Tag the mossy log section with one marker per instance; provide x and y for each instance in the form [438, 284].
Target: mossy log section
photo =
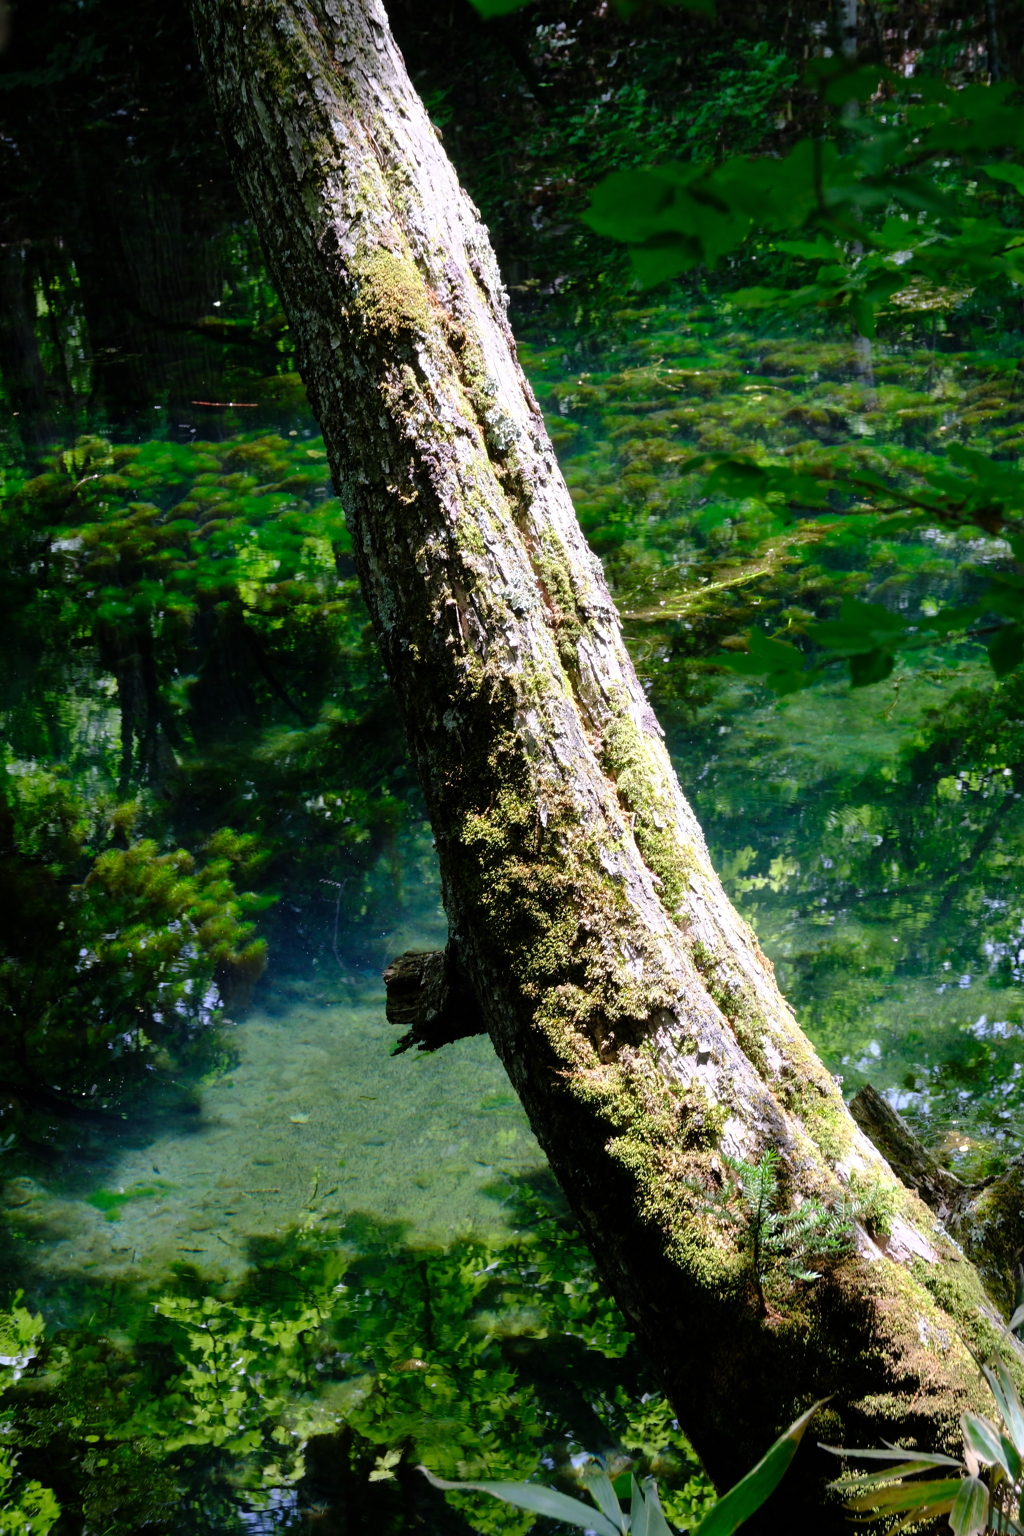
[986, 1218]
[636, 1016]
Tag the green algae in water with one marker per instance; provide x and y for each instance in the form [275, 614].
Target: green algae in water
[111, 1201]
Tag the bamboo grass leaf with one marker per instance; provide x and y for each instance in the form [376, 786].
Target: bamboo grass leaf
[877, 1479]
[916, 1516]
[894, 1453]
[637, 1509]
[1005, 1393]
[541, 1501]
[901, 1496]
[751, 1491]
[968, 1517]
[657, 1525]
[599, 1486]
[984, 1439]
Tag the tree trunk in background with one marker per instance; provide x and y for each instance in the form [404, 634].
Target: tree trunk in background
[21, 368]
[632, 1008]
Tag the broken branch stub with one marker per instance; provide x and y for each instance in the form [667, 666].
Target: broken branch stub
[430, 996]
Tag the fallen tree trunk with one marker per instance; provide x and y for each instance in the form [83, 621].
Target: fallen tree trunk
[635, 1014]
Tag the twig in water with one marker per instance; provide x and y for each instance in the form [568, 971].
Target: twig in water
[339, 887]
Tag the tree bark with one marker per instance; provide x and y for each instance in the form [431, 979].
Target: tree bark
[636, 1016]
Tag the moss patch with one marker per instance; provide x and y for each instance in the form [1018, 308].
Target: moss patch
[799, 1080]
[392, 295]
[629, 759]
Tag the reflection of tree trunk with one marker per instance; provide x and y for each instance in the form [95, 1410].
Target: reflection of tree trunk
[636, 1016]
[864, 368]
[144, 271]
[21, 367]
[221, 699]
[847, 22]
[149, 733]
[846, 25]
[992, 21]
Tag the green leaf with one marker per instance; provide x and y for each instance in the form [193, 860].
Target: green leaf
[871, 667]
[751, 1491]
[983, 1438]
[541, 1501]
[865, 1480]
[968, 1517]
[489, 8]
[782, 666]
[862, 312]
[1014, 174]
[860, 627]
[1008, 1401]
[907, 1495]
[893, 1453]
[659, 259]
[1006, 649]
[811, 250]
[657, 1525]
[948, 620]
[737, 478]
[635, 205]
[599, 1486]
[637, 1509]
[1010, 1459]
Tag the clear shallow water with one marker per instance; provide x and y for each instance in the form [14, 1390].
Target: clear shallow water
[892, 937]
[315, 1120]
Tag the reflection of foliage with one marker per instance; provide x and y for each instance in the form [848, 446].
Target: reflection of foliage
[186, 621]
[201, 577]
[110, 947]
[26, 1507]
[880, 859]
[478, 1358]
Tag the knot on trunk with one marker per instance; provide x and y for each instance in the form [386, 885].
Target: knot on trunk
[431, 997]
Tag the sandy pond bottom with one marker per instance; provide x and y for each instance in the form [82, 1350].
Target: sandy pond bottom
[316, 1121]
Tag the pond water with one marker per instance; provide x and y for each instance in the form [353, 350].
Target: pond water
[257, 1254]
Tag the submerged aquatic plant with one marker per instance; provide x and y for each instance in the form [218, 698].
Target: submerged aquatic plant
[111, 948]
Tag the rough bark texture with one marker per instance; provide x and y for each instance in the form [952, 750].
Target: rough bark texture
[632, 1008]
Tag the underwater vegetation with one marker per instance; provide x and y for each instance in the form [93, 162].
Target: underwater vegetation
[343, 1358]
